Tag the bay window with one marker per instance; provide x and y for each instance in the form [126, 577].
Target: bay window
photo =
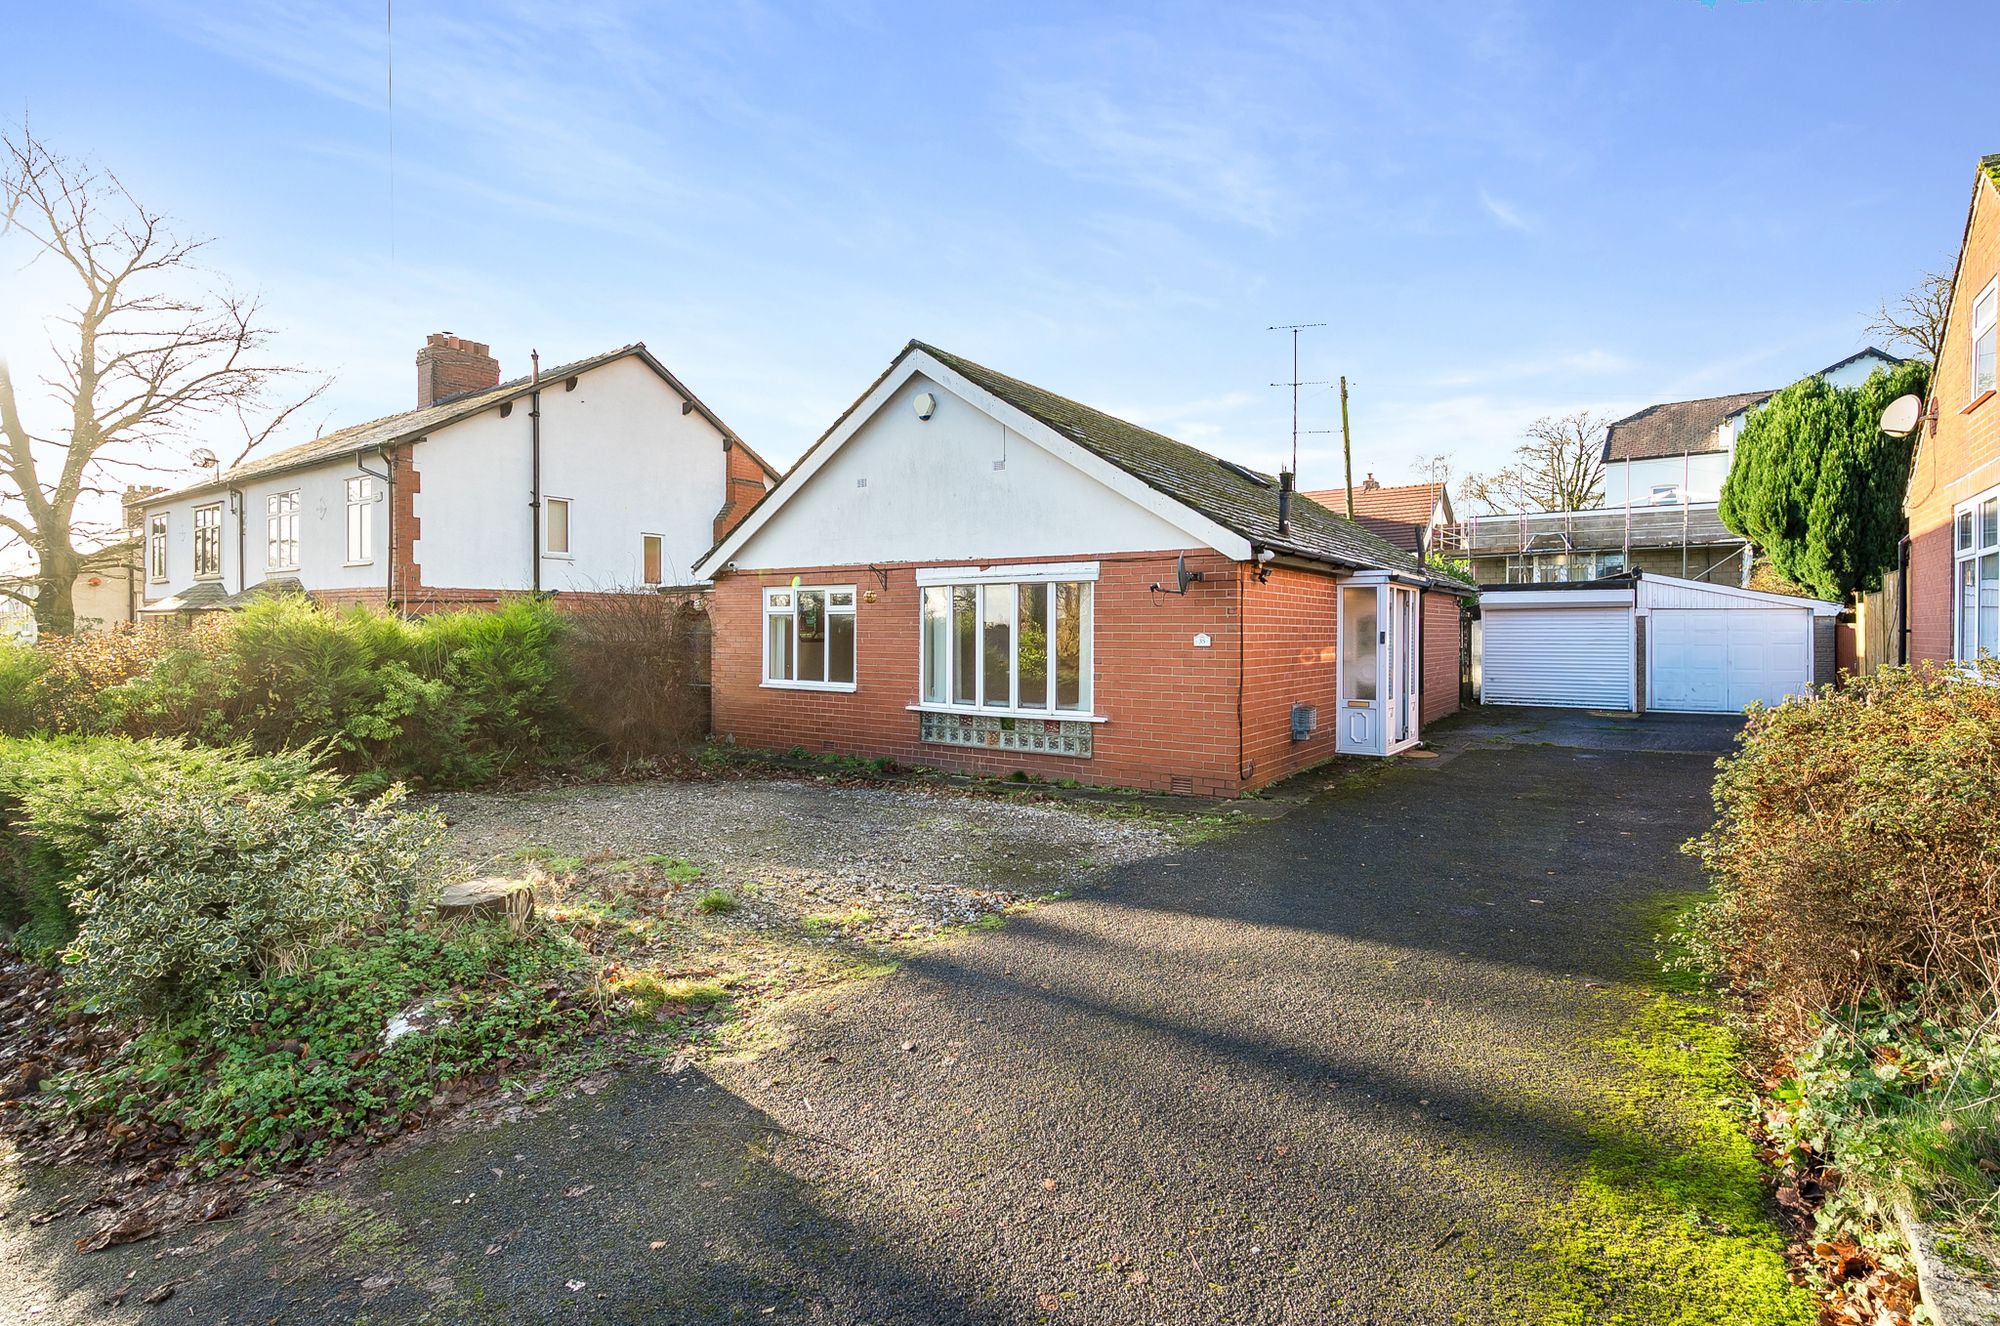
[1976, 577]
[809, 637]
[1014, 646]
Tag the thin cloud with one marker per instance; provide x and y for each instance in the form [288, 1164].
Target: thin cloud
[1509, 216]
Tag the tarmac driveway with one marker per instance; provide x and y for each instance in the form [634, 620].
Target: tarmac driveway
[1327, 1069]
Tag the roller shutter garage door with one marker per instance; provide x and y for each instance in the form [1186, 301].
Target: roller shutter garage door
[1568, 657]
[1717, 660]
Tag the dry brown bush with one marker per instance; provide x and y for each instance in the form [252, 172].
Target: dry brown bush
[638, 668]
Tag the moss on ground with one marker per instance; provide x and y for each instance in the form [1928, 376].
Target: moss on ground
[1669, 1224]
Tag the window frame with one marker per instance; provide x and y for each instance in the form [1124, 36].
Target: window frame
[361, 509]
[159, 530]
[1990, 296]
[281, 512]
[659, 541]
[213, 529]
[569, 528]
[1009, 580]
[765, 613]
[1978, 549]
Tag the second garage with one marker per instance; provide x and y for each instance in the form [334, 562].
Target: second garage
[1650, 642]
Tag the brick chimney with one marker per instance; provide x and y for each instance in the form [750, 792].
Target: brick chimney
[450, 366]
[135, 497]
[1370, 482]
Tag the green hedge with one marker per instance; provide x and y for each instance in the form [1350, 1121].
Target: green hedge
[449, 700]
[62, 797]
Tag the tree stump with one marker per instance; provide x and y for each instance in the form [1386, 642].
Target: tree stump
[492, 896]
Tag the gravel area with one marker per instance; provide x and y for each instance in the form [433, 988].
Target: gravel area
[1327, 1069]
[918, 860]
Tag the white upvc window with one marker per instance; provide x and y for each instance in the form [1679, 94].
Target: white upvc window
[652, 559]
[1018, 647]
[360, 520]
[809, 637]
[555, 526]
[1976, 577]
[281, 531]
[156, 547]
[1985, 337]
[208, 541]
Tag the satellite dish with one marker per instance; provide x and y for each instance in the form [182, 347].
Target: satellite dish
[1184, 576]
[1902, 416]
[204, 458]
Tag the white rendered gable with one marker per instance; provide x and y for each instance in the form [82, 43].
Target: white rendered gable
[963, 485]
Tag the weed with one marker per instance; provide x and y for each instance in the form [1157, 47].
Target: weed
[717, 901]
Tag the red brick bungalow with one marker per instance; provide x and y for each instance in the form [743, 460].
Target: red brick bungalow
[1953, 501]
[969, 572]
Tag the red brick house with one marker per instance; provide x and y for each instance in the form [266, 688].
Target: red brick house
[1416, 517]
[1953, 501]
[969, 572]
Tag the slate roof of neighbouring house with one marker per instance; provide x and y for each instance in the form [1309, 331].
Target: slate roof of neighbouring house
[412, 424]
[1233, 496]
[1688, 428]
[1677, 428]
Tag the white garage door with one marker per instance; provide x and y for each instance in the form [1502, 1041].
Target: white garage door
[1570, 657]
[1717, 660]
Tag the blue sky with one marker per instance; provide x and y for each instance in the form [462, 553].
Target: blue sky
[1499, 209]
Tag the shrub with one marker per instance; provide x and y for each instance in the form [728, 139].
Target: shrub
[54, 686]
[638, 669]
[190, 900]
[21, 668]
[1903, 1103]
[61, 798]
[1857, 854]
[317, 1068]
[452, 699]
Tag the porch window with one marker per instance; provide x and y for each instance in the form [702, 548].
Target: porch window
[1976, 573]
[809, 637]
[1008, 646]
[208, 541]
[1359, 635]
[156, 547]
[1984, 337]
[281, 531]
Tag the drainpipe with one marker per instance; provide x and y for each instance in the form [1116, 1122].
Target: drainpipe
[387, 475]
[535, 453]
[242, 568]
[1903, 600]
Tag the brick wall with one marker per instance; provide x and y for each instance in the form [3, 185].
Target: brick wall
[1171, 705]
[1441, 657]
[743, 486]
[1291, 656]
[1961, 458]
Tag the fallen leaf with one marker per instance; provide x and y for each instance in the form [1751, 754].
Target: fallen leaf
[657, 1244]
[160, 1295]
[573, 1285]
[579, 1190]
[1049, 1184]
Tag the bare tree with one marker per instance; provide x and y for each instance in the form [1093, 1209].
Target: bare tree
[143, 359]
[1916, 320]
[1433, 467]
[1559, 468]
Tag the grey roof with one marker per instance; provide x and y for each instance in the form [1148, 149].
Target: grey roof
[201, 596]
[1233, 496]
[1687, 428]
[412, 424]
[1677, 428]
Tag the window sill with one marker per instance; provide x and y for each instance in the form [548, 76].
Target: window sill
[974, 711]
[281, 570]
[558, 557]
[838, 686]
[369, 562]
[1978, 401]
